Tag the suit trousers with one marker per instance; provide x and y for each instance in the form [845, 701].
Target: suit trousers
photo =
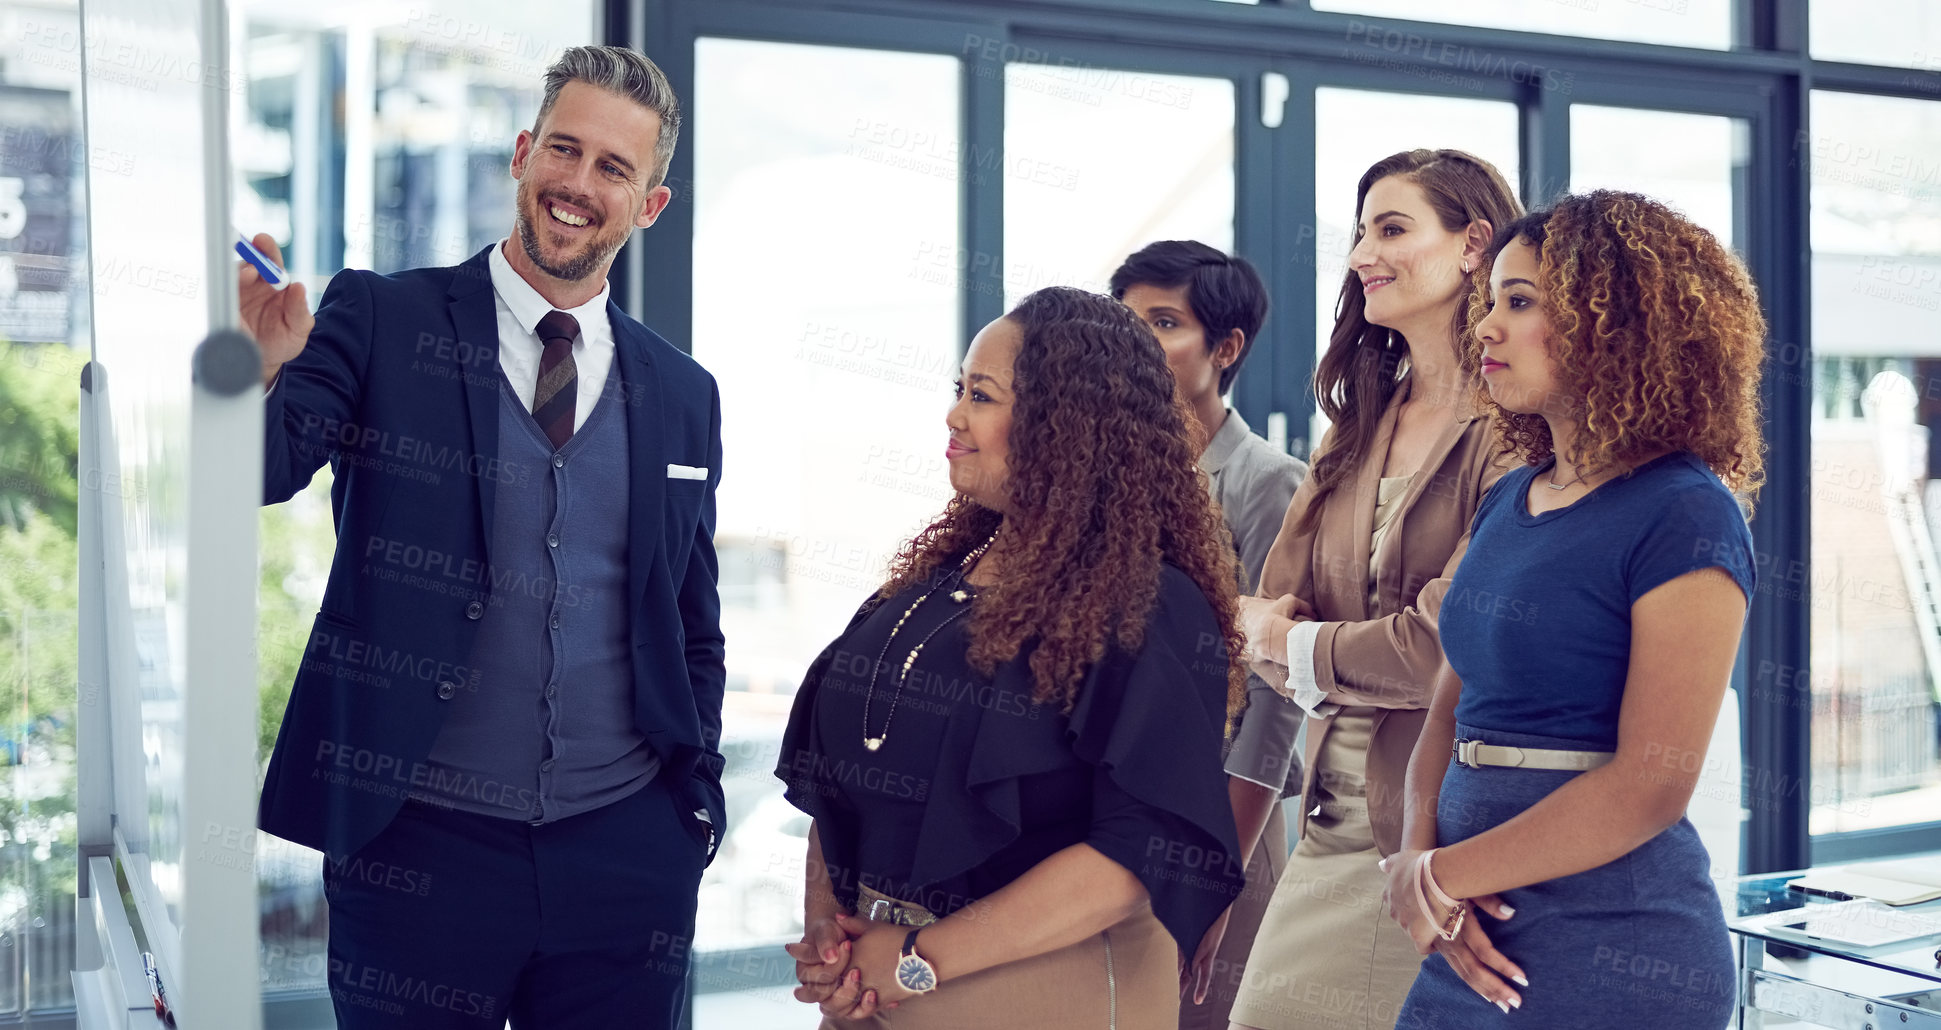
[451, 920]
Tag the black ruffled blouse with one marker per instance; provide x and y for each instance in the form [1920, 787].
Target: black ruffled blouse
[975, 783]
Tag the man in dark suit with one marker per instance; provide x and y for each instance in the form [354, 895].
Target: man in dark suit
[504, 732]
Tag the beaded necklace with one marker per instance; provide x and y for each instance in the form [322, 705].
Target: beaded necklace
[959, 595]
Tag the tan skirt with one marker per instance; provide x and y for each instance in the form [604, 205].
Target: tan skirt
[1327, 955]
[1125, 978]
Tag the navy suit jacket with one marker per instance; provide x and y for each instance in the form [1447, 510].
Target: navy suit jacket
[398, 388]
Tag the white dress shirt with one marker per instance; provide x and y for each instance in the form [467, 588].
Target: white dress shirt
[520, 307]
[1303, 685]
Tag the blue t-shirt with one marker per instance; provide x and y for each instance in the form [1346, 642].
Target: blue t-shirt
[1537, 621]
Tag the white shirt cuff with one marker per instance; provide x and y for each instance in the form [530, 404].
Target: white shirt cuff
[1275, 787]
[1302, 685]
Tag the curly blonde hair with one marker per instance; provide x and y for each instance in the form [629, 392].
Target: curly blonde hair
[1655, 331]
[1104, 488]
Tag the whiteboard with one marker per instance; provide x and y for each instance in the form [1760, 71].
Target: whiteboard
[174, 420]
[151, 308]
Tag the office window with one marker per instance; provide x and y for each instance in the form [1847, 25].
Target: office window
[1692, 23]
[1876, 497]
[1099, 162]
[1698, 176]
[44, 333]
[827, 265]
[1897, 33]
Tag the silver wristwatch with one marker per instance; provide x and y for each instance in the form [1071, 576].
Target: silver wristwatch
[913, 972]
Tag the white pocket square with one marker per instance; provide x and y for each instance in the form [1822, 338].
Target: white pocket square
[686, 471]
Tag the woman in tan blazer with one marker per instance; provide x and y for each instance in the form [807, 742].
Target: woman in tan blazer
[1346, 621]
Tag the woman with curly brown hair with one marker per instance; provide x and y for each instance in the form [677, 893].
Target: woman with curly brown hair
[1014, 749]
[1360, 565]
[1590, 632]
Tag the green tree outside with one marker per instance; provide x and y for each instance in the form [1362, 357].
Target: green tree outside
[40, 688]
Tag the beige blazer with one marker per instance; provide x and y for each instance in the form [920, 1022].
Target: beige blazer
[1385, 656]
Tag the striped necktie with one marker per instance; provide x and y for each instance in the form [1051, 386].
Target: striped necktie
[559, 378]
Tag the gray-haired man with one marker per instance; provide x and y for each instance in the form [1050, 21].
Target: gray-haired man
[504, 733]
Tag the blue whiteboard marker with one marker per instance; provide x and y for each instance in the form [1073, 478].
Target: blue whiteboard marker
[271, 273]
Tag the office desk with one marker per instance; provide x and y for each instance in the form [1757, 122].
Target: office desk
[1895, 989]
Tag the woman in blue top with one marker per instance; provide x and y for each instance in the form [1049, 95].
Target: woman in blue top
[1590, 633]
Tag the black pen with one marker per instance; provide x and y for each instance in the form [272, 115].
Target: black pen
[1817, 892]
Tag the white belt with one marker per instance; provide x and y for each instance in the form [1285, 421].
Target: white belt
[1476, 754]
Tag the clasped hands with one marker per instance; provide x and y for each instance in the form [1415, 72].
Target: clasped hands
[847, 965]
[1265, 624]
[1470, 954]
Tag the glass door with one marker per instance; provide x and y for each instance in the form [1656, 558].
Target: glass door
[827, 266]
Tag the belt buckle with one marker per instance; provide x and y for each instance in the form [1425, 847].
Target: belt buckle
[1465, 752]
[881, 910]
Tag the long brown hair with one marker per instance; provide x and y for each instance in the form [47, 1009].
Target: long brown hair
[1655, 328]
[1357, 376]
[1104, 487]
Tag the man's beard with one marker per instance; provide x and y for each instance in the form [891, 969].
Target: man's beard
[592, 257]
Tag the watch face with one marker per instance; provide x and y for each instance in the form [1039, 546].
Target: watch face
[914, 974]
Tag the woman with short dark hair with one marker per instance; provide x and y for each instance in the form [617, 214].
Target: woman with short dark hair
[1207, 309]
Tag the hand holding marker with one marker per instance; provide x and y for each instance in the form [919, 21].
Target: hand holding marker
[272, 308]
[271, 272]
